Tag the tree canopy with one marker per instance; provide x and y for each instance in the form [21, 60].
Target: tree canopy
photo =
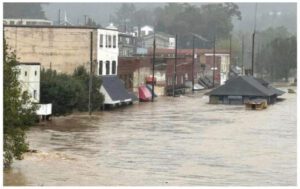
[23, 10]
[69, 93]
[276, 53]
[19, 111]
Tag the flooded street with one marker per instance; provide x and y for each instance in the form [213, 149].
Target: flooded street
[174, 141]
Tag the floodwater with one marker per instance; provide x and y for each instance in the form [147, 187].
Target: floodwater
[171, 142]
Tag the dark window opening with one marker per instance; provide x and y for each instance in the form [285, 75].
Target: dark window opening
[34, 94]
[113, 67]
[35, 73]
[101, 40]
[106, 41]
[109, 41]
[25, 73]
[114, 41]
[107, 67]
[100, 67]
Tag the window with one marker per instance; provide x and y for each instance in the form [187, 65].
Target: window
[34, 94]
[106, 41]
[107, 67]
[109, 41]
[35, 72]
[101, 40]
[114, 41]
[113, 67]
[100, 67]
[25, 73]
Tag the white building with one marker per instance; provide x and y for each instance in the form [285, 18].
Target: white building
[224, 66]
[29, 78]
[145, 30]
[107, 51]
[21, 21]
[163, 41]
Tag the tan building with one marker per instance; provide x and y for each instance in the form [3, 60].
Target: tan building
[62, 48]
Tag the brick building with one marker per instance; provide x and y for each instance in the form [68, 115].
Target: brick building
[133, 71]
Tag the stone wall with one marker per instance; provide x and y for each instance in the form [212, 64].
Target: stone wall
[59, 48]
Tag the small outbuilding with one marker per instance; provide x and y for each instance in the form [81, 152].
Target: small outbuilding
[114, 91]
[241, 89]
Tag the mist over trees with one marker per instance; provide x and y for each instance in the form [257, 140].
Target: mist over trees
[276, 55]
[226, 21]
[182, 19]
[23, 10]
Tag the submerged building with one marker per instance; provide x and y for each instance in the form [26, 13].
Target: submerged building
[241, 89]
[64, 48]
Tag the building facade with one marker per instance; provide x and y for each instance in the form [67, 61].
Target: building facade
[22, 21]
[222, 67]
[61, 48]
[107, 52]
[127, 45]
[64, 48]
[29, 78]
[162, 41]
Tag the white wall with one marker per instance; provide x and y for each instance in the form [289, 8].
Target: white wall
[225, 64]
[107, 53]
[146, 30]
[171, 43]
[29, 78]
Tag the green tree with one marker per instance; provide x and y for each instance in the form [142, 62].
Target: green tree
[97, 99]
[69, 93]
[207, 20]
[267, 53]
[284, 56]
[61, 90]
[19, 111]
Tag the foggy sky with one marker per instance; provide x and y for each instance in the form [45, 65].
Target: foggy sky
[101, 12]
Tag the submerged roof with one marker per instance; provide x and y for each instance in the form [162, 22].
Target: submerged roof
[115, 88]
[245, 86]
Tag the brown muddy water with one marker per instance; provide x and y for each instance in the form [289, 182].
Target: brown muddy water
[173, 141]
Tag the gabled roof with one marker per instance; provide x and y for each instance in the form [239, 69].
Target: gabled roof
[244, 86]
[276, 91]
[115, 88]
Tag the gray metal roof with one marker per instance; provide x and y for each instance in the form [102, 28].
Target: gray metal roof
[115, 88]
[244, 86]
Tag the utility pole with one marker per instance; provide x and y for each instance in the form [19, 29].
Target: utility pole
[253, 41]
[193, 63]
[230, 51]
[85, 21]
[214, 60]
[243, 55]
[153, 63]
[175, 65]
[58, 16]
[91, 76]
[252, 60]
